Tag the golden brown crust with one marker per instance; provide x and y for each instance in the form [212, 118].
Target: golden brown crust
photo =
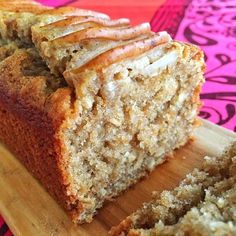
[23, 7]
[32, 118]
[89, 23]
[119, 53]
[103, 32]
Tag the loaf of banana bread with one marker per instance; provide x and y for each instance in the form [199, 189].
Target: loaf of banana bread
[203, 204]
[90, 105]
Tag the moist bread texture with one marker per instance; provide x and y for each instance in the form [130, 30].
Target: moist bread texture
[90, 105]
[203, 204]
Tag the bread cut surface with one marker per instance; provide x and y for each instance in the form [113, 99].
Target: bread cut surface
[89, 104]
[203, 204]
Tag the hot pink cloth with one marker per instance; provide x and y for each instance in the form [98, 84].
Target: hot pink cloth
[212, 26]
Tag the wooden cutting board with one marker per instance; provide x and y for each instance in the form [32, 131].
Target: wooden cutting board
[29, 210]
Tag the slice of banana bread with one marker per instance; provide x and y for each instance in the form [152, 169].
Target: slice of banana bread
[117, 102]
[203, 204]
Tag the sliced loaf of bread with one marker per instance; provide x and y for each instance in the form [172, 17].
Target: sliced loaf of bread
[89, 104]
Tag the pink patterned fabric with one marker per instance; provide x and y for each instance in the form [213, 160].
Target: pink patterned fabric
[212, 26]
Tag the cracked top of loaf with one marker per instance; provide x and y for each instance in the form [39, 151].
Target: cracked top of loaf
[69, 41]
[62, 36]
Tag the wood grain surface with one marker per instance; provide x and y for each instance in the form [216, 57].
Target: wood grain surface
[29, 210]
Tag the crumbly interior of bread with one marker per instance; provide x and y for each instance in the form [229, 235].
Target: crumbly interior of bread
[6, 49]
[32, 67]
[126, 117]
[203, 204]
[124, 133]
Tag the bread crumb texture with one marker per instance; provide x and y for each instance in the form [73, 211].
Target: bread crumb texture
[204, 203]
